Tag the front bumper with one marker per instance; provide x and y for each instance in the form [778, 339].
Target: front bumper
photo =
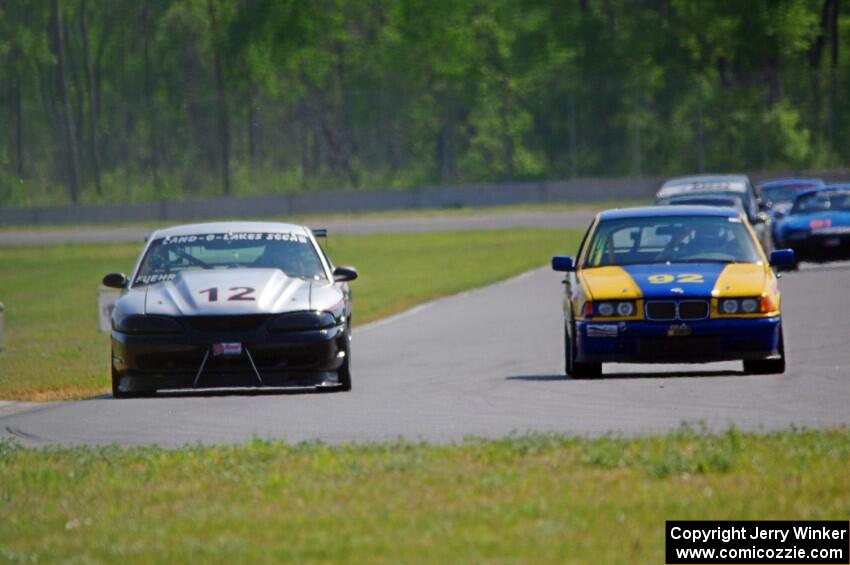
[692, 342]
[291, 359]
[827, 247]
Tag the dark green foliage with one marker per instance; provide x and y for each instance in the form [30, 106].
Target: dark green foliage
[334, 94]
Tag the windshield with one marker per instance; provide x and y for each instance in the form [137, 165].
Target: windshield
[827, 201]
[784, 194]
[680, 239]
[293, 254]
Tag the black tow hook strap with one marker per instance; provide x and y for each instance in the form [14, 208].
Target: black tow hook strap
[201, 369]
[253, 366]
[207, 356]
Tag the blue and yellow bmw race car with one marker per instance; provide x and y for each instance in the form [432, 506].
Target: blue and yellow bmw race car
[672, 284]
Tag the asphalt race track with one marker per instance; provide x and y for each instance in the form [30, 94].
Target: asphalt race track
[488, 363]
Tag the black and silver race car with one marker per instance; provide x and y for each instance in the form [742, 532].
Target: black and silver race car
[231, 304]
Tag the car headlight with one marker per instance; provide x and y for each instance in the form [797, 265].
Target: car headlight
[625, 309]
[740, 305]
[605, 309]
[155, 325]
[303, 321]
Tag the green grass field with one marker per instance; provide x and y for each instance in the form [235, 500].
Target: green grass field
[538, 499]
[317, 219]
[53, 349]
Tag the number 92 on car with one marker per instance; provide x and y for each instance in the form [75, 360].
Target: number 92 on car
[660, 284]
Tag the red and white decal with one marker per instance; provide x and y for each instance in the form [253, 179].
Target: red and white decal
[227, 349]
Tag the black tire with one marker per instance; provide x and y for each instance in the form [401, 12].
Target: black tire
[344, 372]
[116, 388]
[578, 370]
[116, 381]
[768, 366]
[344, 376]
[587, 370]
[118, 393]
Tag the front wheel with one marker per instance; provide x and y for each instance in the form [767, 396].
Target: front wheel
[118, 393]
[574, 369]
[768, 366]
[344, 372]
[344, 376]
[116, 386]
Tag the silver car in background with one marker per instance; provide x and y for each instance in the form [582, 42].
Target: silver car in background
[737, 187]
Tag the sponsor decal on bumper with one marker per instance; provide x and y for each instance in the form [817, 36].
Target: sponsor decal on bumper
[602, 330]
[226, 349]
[679, 330]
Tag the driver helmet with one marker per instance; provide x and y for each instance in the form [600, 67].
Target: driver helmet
[708, 237]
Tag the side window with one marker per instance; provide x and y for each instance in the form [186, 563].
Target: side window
[753, 198]
[583, 242]
[596, 252]
[325, 255]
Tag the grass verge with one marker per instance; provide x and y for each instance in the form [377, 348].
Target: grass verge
[317, 219]
[53, 350]
[536, 499]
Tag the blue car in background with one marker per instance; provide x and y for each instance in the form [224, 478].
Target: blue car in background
[817, 227]
[777, 196]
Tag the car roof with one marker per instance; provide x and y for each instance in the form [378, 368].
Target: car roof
[837, 187]
[668, 212]
[778, 183]
[713, 196]
[688, 179]
[230, 227]
[705, 183]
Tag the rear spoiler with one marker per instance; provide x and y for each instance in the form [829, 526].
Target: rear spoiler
[319, 232]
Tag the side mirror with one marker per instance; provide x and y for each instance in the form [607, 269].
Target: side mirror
[115, 280]
[563, 264]
[782, 258]
[760, 218]
[345, 274]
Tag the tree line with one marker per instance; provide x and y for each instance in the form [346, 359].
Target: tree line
[133, 100]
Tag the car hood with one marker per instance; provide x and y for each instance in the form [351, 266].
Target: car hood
[682, 280]
[239, 292]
